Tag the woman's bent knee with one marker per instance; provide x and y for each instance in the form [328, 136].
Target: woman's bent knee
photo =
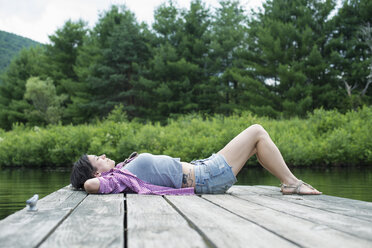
[258, 130]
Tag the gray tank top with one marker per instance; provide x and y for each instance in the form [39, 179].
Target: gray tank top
[160, 170]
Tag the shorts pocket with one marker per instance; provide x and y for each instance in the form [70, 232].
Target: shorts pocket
[220, 180]
[214, 169]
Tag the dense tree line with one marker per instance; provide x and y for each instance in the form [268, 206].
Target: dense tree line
[286, 59]
[10, 45]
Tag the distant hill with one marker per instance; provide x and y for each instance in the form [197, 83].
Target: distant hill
[10, 45]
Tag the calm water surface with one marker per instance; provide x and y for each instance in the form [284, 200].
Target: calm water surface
[18, 185]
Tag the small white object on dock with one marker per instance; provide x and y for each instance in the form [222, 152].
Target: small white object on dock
[31, 203]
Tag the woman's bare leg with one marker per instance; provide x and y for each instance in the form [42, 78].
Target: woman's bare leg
[255, 140]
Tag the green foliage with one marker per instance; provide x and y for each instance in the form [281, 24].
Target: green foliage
[350, 53]
[118, 114]
[26, 64]
[324, 138]
[285, 60]
[47, 105]
[287, 41]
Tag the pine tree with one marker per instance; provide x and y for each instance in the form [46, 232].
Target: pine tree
[179, 60]
[287, 51]
[119, 47]
[62, 52]
[350, 55]
[226, 62]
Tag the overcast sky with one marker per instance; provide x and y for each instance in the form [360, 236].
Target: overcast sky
[36, 19]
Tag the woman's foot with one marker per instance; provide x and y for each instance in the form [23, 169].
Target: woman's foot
[300, 188]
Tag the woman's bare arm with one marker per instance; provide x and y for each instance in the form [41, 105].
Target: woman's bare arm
[91, 186]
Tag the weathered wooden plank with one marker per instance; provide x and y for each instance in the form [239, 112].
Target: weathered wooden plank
[300, 231]
[328, 198]
[353, 226]
[28, 229]
[345, 206]
[223, 228]
[275, 191]
[98, 221]
[153, 222]
[351, 207]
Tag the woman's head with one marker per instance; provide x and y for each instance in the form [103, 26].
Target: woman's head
[82, 170]
[89, 166]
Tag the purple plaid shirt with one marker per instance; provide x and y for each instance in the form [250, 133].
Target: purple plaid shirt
[116, 181]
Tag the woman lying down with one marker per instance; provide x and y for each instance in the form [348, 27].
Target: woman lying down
[163, 175]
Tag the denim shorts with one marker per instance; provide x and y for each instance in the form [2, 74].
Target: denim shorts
[213, 175]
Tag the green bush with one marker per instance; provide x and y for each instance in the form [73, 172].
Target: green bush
[323, 138]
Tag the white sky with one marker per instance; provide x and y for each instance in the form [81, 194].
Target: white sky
[36, 19]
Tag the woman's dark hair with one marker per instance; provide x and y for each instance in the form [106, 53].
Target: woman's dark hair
[82, 170]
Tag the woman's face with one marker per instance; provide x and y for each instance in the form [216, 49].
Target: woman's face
[101, 163]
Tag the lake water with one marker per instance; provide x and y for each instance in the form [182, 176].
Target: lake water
[18, 185]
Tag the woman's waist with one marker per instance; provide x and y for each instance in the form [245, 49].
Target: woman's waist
[188, 175]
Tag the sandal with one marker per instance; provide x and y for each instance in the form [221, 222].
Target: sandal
[296, 188]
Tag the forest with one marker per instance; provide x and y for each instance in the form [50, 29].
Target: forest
[10, 45]
[284, 60]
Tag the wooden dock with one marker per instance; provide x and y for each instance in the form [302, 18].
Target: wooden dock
[247, 216]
